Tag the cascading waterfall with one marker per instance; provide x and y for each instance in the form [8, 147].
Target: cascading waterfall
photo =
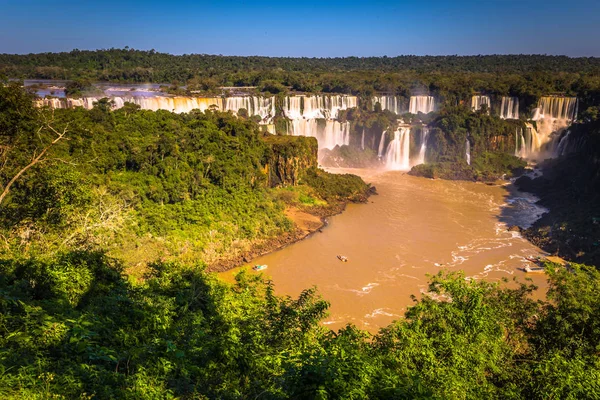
[321, 106]
[478, 101]
[303, 127]
[335, 134]
[381, 144]
[391, 103]
[519, 140]
[468, 152]
[262, 106]
[556, 108]
[397, 156]
[175, 104]
[529, 142]
[331, 133]
[553, 114]
[305, 112]
[561, 149]
[292, 107]
[509, 108]
[424, 104]
[423, 148]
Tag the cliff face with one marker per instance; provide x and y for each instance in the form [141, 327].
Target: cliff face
[497, 144]
[570, 189]
[288, 158]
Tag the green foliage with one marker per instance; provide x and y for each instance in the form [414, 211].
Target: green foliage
[73, 324]
[445, 170]
[452, 79]
[336, 186]
[490, 166]
[151, 185]
[77, 87]
[145, 184]
[272, 87]
[485, 166]
[453, 126]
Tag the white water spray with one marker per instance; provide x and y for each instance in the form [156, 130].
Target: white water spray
[391, 103]
[381, 144]
[423, 148]
[424, 104]
[397, 154]
[509, 109]
[468, 152]
[478, 101]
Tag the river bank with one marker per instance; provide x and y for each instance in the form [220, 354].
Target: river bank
[306, 220]
[569, 188]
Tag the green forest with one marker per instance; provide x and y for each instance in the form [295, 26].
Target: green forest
[449, 78]
[113, 221]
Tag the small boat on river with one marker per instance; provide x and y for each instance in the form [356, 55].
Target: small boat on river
[534, 269]
[342, 258]
[259, 267]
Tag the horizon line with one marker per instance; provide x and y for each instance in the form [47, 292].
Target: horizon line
[309, 57]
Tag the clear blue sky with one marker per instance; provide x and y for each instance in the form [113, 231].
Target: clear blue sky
[304, 28]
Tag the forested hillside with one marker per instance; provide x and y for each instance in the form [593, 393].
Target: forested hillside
[145, 185]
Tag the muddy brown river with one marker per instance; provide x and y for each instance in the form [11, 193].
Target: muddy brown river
[414, 227]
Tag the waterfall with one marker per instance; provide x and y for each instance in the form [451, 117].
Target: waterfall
[556, 108]
[381, 143]
[509, 109]
[397, 154]
[391, 103]
[305, 112]
[261, 106]
[478, 101]
[335, 133]
[362, 140]
[331, 133]
[553, 114]
[175, 104]
[424, 104]
[317, 106]
[255, 105]
[303, 127]
[468, 152]
[561, 149]
[423, 148]
[529, 142]
[293, 107]
[179, 104]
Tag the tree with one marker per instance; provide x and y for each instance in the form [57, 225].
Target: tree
[37, 156]
[26, 134]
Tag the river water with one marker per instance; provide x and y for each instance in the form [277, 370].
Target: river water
[414, 227]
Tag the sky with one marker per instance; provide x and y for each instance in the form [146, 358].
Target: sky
[304, 28]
